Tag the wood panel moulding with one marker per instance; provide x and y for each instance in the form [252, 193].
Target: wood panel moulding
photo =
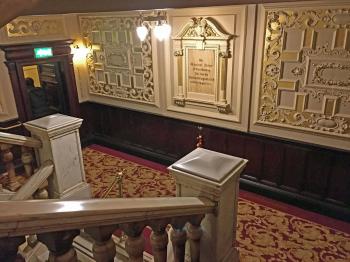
[292, 178]
[302, 90]
[20, 55]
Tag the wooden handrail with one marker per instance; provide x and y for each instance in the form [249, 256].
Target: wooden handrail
[6, 138]
[19, 218]
[34, 182]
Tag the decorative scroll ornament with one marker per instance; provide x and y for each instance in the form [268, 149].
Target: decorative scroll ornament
[35, 26]
[199, 27]
[201, 49]
[119, 64]
[319, 78]
[306, 86]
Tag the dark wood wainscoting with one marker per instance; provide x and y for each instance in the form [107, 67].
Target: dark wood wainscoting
[308, 176]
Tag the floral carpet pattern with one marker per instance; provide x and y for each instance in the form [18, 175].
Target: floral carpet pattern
[263, 233]
[266, 234]
[105, 173]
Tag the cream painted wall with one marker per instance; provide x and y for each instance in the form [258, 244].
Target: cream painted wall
[249, 27]
[235, 19]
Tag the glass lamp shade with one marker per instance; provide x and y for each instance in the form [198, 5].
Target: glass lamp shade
[162, 31]
[142, 32]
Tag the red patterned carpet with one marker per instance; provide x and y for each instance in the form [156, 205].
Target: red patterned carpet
[267, 230]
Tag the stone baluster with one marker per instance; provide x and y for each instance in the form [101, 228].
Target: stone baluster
[178, 238]
[103, 248]
[27, 160]
[42, 192]
[9, 248]
[194, 234]
[7, 158]
[134, 245]
[159, 239]
[60, 245]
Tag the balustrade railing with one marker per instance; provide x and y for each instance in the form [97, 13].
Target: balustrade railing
[12, 180]
[202, 217]
[56, 223]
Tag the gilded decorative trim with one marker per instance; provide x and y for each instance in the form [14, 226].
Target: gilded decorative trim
[35, 26]
[318, 77]
[307, 79]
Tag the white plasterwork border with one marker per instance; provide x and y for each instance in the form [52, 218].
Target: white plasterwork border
[63, 34]
[152, 107]
[239, 78]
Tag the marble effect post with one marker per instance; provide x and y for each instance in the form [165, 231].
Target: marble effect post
[61, 144]
[205, 173]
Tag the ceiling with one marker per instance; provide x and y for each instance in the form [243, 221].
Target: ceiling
[10, 9]
[85, 6]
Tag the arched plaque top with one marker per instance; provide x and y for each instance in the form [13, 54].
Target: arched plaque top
[202, 28]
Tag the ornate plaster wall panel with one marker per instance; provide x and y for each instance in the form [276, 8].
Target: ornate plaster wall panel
[120, 66]
[35, 26]
[304, 82]
[207, 61]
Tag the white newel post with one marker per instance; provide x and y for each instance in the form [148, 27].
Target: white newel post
[205, 173]
[61, 144]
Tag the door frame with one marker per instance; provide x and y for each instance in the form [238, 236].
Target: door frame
[19, 55]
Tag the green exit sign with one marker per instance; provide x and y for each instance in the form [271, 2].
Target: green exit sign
[43, 52]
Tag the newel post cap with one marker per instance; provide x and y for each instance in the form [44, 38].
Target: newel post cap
[54, 125]
[211, 168]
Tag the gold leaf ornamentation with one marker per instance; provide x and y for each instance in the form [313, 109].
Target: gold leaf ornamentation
[34, 27]
[318, 72]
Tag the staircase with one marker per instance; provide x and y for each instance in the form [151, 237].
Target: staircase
[200, 217]
[29, 185]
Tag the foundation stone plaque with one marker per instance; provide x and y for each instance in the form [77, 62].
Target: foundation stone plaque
[201, 51]
[201, 71]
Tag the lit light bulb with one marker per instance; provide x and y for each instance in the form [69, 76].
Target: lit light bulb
[142, 32]
[162, 31]
[79, 54]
